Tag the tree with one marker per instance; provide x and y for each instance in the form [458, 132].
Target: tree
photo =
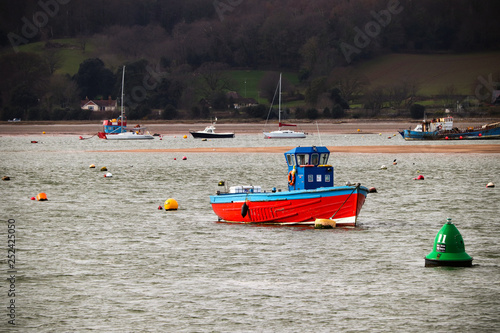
[23, 82]
[450, 95]
[315, 89]
[170, 112]
[53, 59]
[374, 100]
[94, 79]
[417, 111]
[402, 94]
[269, 86]
[349, 84]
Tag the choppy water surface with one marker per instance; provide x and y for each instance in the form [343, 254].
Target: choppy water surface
[100, 256]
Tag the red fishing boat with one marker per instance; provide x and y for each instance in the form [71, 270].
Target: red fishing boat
[311, 195]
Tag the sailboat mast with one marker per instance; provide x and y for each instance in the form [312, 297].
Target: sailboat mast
[123, 81]
[279, 105]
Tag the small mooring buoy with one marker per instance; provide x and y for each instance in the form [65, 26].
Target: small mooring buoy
[92, 166]
[372, 190]
[104, 168]
[108, 175]
[420, 177]
[184, 158]
[490, 184]
[383, 167]
[171, 204]
[41, 197]
[5, 178]
[448, 249]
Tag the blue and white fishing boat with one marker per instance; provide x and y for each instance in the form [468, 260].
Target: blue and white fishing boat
[443, 129]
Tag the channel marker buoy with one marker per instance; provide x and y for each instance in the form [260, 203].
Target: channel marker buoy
[448, 249]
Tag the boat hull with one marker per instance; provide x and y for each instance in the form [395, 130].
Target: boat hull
[487, 133]
[125, 136]
[342, 204]
[204, 135]
[284, 135]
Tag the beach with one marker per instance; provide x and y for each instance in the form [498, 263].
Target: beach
[357, 127]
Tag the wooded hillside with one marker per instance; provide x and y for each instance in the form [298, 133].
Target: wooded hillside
[190, 39]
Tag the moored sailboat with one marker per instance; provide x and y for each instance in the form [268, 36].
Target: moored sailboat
[116, 129]
[283, 133]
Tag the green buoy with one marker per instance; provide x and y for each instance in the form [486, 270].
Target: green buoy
[449, 249]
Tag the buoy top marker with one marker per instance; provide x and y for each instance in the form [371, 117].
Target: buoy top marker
[448, 249]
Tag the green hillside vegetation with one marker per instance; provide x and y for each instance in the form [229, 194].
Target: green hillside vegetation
[70, 53]
[247, 82]
[433, 73]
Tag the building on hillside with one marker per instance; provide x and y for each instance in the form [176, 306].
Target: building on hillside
[99, 104]
[238, 101]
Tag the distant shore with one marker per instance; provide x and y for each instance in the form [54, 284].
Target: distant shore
[351, 126]
[345, 127]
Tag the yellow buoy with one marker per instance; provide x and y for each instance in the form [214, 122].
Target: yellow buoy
[104, 168]
[41, 197]
[171, 204]
[43, 132]
[185, 136]
[359, 130]
[324, 224]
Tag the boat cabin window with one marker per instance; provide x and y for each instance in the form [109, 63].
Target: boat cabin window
[323, 159]
[314, 159]
[290, 158]
[302, 159]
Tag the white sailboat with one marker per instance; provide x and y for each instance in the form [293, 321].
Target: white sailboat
[120, 132]
[283, 133]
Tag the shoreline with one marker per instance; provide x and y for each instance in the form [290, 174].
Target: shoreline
[387, 127]
[88, 128]
[426, 149]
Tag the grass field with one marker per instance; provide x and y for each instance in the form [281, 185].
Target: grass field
[433, 72]
[248, 82]
[71, 54]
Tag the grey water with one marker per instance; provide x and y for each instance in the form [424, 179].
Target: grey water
[100, 256]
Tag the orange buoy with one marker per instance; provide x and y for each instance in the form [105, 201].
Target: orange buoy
[41, 197]
[171, 204]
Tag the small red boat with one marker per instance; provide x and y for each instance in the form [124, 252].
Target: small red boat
[311, 195]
